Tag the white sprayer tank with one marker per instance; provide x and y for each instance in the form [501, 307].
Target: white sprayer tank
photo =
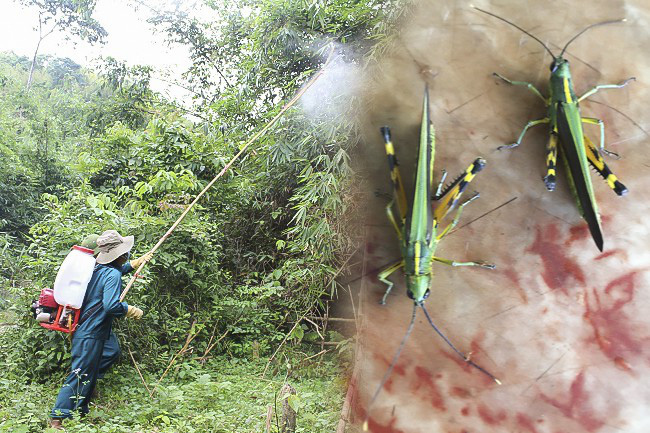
[73, 277]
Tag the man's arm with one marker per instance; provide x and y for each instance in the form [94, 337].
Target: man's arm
[126, 268]
[111, 297]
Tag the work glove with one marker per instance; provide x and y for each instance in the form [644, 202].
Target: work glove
[133, 312]
[135, 263]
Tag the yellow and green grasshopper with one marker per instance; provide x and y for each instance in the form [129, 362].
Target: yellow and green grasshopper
[418, 228]
[565, 124]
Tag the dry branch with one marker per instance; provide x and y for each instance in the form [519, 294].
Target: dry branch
[188, 340]
[211, 346]
[269, 416]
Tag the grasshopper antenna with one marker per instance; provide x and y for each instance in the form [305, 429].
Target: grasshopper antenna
[390, 367]
[517, 27]
[591, 27]
[461, 354]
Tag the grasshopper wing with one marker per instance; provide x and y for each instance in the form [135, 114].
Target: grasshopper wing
[573, 149]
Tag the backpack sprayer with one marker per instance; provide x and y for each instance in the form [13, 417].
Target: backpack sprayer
[58, 309]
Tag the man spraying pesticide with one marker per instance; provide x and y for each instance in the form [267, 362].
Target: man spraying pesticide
[94, 345]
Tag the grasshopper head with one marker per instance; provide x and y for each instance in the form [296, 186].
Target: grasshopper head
[417, 287]
[559, 66]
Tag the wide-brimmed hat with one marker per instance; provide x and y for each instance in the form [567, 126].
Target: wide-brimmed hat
[111, 245]
[90, 242]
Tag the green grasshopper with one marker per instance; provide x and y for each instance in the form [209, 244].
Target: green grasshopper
[565, 124]
[417, 229]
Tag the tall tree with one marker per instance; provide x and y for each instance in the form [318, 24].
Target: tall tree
[74, 17]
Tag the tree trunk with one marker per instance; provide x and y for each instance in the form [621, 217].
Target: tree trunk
[31, 69]
[288, 421]
[41, 36]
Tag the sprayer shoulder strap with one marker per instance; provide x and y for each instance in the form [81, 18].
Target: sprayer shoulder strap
[86, 314]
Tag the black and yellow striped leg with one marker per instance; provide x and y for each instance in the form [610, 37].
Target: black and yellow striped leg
[597, 162]
[521, 136]
[396, 178]
[606, 86]
[453, 263]
[450, 196]
[523, 83]
[601, 124]
[453, 224]
[551, 162]
[383, 277]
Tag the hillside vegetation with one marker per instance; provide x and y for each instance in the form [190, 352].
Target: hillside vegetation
[85, 150]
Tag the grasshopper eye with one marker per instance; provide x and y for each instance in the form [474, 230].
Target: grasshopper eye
[554, 66]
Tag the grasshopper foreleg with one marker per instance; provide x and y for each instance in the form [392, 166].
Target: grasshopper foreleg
[383, 277]
[606, 86]
[523, 83]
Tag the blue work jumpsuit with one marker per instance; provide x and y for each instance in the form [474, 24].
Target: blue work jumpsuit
[94, 344]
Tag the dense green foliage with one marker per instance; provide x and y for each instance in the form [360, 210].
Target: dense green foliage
[86, 151]
[223, 396]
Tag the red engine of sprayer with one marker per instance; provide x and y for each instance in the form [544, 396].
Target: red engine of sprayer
[51, 315]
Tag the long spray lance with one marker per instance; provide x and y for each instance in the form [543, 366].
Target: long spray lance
[223, 171]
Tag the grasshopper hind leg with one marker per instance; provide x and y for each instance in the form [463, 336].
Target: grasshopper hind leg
[456, 219]
[551, 162]
[599, 165]
[448, 198]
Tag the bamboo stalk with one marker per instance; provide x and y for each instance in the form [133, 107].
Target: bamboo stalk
[227, 167]
[135, 364]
